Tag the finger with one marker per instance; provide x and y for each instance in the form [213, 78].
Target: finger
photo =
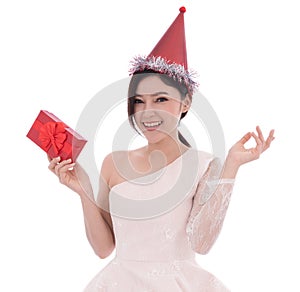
[245, 138]
[62, 174]
[259, 143]
[60, 165]
[270, 139]
[260, 134]
[53, 163]
[66, 168]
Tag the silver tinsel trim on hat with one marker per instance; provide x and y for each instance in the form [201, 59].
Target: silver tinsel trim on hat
[160, 65]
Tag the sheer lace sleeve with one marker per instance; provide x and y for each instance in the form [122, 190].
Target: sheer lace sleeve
[209, 208]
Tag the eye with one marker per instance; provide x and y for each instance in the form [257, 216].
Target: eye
[161, 99]
[137, 100]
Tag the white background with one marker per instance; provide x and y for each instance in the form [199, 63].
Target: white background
[56, 55]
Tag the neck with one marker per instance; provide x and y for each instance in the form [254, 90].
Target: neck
[169, 145]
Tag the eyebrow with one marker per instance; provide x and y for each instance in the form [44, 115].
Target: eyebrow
[153, 94]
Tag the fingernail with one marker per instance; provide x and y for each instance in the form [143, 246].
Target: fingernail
[71, 166]
[69, 160]
[58, 158]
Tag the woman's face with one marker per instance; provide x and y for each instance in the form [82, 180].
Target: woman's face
[158, 108]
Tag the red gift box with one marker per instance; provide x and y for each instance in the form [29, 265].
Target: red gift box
[55, 137]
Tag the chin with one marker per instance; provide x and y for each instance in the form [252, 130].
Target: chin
[153, 138]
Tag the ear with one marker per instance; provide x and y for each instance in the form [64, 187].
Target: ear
[186, 104]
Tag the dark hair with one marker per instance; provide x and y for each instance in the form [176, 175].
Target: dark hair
[134, 82]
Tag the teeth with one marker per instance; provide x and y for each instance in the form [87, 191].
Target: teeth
[154, 124]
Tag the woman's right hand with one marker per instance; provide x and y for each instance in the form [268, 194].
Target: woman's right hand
[71, 175]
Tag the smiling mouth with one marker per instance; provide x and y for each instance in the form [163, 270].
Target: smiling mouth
[152, 125]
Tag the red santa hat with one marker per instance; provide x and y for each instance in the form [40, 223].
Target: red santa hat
[169, 55]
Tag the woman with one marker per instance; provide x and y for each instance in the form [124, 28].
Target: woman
[156, 239]
[140, 264]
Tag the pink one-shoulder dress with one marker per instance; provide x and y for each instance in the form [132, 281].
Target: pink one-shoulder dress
[160, 222]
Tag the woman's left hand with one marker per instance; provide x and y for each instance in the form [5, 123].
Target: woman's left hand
[239, 155]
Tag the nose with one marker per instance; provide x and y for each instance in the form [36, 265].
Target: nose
[148, 110]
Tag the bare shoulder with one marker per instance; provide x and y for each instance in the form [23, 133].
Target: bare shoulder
[111, 176]
[111, 166]
[108, 177]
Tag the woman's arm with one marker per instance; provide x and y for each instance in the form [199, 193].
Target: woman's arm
[99, 233]
[214, 191]
[97, 221]
[210, 205]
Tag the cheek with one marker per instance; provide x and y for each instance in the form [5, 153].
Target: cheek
[137, 114]
[175, 110]
[171, 119]
[137, 108]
